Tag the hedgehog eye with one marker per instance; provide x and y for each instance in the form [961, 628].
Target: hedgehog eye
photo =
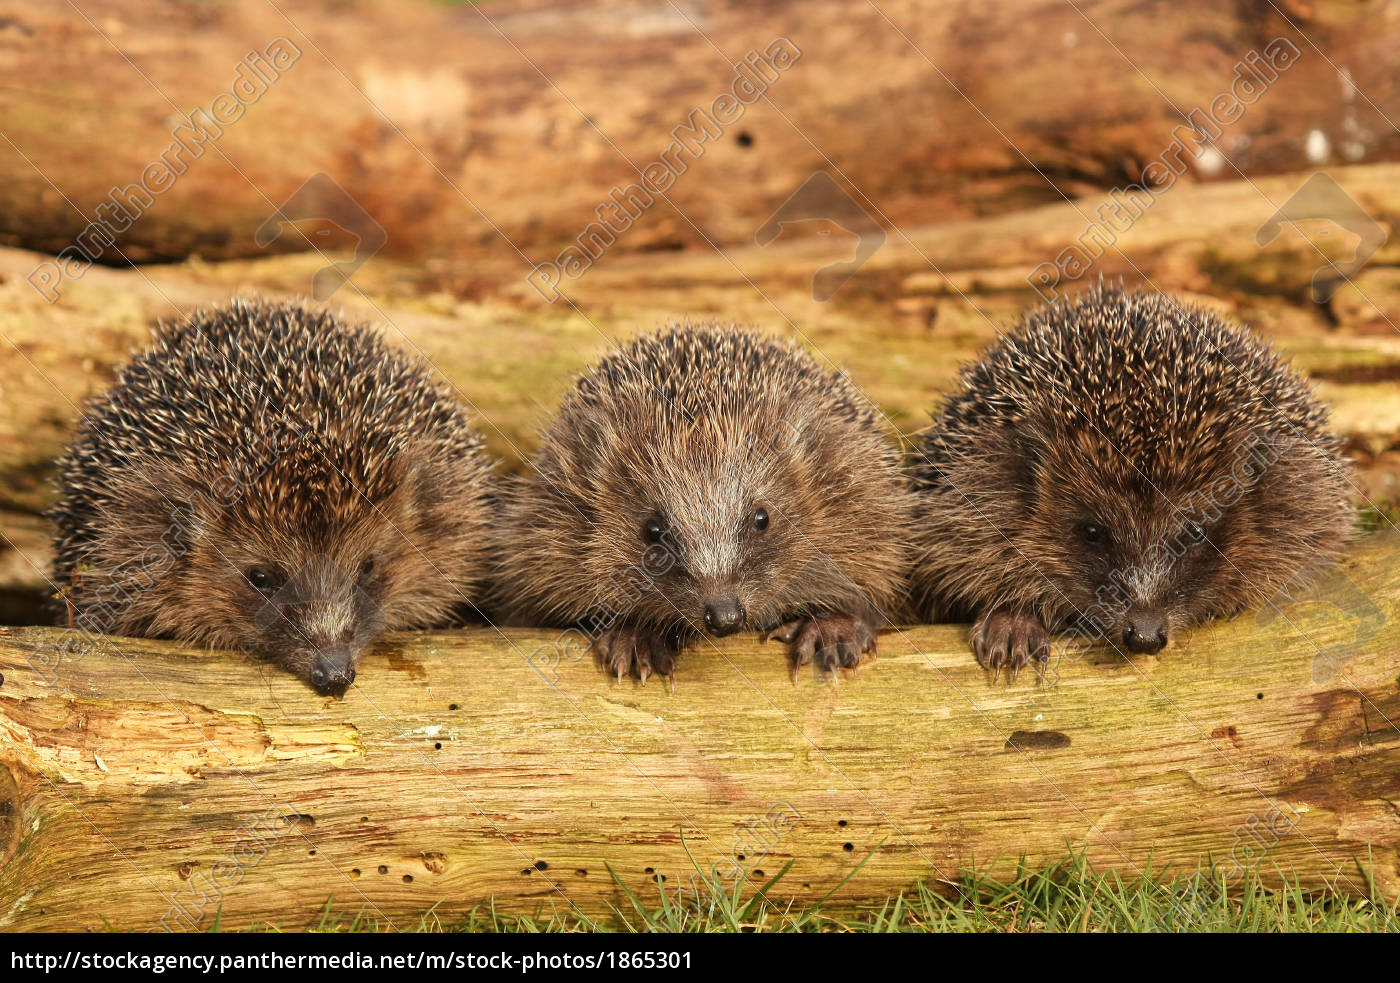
[651, 532]
[1195, 534]
[1093, 535]
[367, 567]
[259, 578]
[760, 520]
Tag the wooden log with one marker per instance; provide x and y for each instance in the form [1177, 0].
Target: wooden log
[539, 140]
[145, 785]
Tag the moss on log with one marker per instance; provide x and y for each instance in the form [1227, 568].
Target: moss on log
[146, 784]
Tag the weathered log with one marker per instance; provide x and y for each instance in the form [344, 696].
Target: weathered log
[145, 785]
[539, 112]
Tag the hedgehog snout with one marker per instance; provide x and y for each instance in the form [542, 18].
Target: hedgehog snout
[1146, 630]
[333, 670]
[724, 615]
[325, 625]
[328, 637]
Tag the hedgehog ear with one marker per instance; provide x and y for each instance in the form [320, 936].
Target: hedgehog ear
[422, 474]
[1020, 450]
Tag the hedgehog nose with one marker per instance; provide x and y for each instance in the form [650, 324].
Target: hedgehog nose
[1146, 631]
[332, 673]
[724, 616]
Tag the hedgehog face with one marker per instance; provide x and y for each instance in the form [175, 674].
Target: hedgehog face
[1136, 560]
[317, 621]
[715, 547]
[1132, 571]
[311, 602]
[311, 586]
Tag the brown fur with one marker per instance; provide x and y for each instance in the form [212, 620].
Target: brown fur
[1151, 421]
[271, 438]
[697, 428]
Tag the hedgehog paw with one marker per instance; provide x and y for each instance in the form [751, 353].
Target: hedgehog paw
[638, 651]
[834, 641]
[1002, 639]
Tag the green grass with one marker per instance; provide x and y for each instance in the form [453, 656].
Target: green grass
[1065, 897]
[1379, 518]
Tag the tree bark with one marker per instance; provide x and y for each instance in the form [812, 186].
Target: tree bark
[146, 785]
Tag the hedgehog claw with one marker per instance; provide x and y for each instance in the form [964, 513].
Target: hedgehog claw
[835, 640]
[638, 651]
[1004, 640]
[784, 632]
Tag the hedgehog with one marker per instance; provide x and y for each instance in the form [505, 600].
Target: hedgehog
[704, 480]
[268, 478]
[1121, 466]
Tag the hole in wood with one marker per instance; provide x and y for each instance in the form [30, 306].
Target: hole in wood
[1037, 740]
